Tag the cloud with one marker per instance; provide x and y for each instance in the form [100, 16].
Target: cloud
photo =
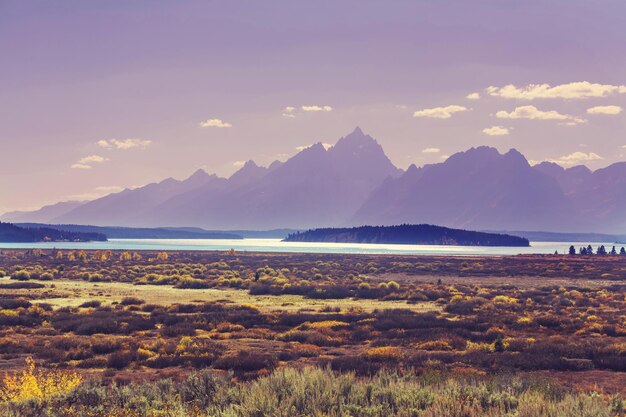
[440, 112]
[87, 162]
[289, 111]
[473, 96]
[124, 144]
[109, 189]
[91, 159]
[496, 131]
[577, 158]
[303, 147]
[96, 193]
[609, 110]
[575, 90]
[533, 113]
[431, 150]
[239, 164]
[317, 108]
[219, 123]
[80, 166]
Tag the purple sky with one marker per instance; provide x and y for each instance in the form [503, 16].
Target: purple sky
[148, 73]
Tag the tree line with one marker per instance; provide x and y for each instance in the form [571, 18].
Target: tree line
[600, 251]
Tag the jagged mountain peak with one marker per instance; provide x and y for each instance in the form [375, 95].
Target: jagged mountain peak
[356, 140]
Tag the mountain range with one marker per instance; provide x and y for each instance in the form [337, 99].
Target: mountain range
[354, 183]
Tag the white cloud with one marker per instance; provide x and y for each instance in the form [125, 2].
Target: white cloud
[533, 113]
[81, 166]
[577, 158]
[609, 110]
[87, 162]
[239, 164]
[92, 159]
[96, 193]
[303, 147]
[496, 131]
[431, 150]
[289, 111]
[440, 112]
[219, 123]
[473, 96]
[104, 144]
[317, 108]
[124, 143]
[575, 90]
[109, 189]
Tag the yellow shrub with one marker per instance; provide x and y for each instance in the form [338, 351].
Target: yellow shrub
[384, 354]
[434, 345]
[328, 324]
[504, 299]
[37, 384]
[478, 347]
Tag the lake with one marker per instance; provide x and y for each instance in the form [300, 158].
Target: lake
[275, 245]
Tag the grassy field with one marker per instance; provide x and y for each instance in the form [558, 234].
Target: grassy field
[68, 293]
[438, 324]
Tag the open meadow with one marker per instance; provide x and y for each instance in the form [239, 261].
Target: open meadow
[225, 333]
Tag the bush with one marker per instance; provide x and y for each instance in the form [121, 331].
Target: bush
[46, 276]
[120, 360]
[131, 301]
[20, 275]
[91, 304]
[246, 361]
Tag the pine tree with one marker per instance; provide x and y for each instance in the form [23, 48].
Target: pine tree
[572, 250]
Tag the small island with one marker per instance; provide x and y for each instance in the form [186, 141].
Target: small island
[408, 234]
[10, 233]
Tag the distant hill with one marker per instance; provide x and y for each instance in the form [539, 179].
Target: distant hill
[14, 234]
[421, 234]
[42, 215]
[138, 233]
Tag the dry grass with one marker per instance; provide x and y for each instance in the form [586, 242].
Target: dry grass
[68, 293]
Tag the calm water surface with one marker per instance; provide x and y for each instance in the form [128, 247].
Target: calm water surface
[275, 245]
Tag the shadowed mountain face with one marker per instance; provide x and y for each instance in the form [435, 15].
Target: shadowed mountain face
[316, 186]
[354, 183]
[477, 189]
[127, 207]
[599, 197]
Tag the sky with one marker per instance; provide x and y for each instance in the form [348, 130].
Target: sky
[100, 95]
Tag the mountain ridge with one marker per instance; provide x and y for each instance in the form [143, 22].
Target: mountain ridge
[354, 182]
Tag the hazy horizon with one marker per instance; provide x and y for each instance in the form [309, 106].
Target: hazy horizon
[99, 96]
